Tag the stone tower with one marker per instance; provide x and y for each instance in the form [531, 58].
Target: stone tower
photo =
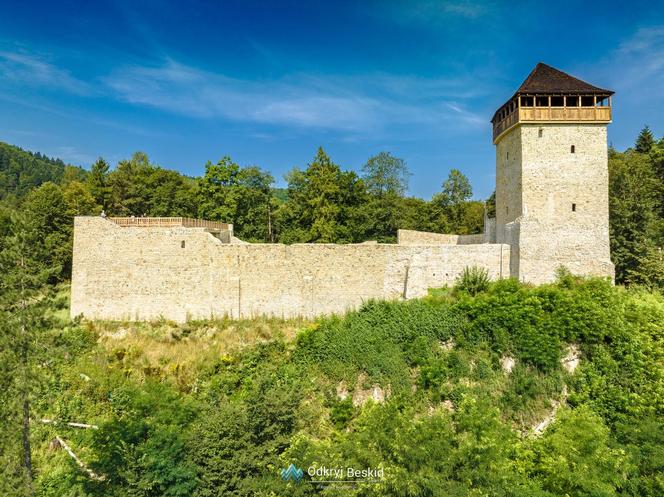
[552, 176]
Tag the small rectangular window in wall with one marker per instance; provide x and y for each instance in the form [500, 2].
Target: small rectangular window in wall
[573, 207]
[540, 133]
[572, 149]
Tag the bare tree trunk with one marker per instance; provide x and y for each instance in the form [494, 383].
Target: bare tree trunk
[25, 430]
[27, 453]
[269, 222]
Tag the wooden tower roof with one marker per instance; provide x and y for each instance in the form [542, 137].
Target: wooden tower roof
[547, 79]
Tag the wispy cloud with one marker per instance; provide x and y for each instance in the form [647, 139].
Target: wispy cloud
[640, 60]
[354, 104]
[29, 69]
[471, 9]
[645, 51]
[434, 11]
[73, 155]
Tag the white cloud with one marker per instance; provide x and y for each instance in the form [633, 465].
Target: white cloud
[355, 104]
[642, 56]
[433, 12]
[28, 69]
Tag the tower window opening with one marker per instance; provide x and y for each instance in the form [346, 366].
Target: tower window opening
[542, 101]
[527, 101]
[587, 101]
[540, 132]
[572, 149]
[557, 101]
[573, 207]
[572, 101]
[182, 244]
[508, 155]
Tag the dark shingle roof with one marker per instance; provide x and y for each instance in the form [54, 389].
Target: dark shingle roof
[547, 79]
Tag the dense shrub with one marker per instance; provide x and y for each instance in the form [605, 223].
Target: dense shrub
[382, 339]
[473, 280]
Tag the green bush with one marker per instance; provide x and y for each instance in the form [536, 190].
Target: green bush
[383, 340]
[473, 280]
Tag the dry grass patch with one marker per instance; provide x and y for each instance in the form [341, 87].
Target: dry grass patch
[179, 351]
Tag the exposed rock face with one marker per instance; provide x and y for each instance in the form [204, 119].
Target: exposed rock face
[572, 358]
[507, 364]
[342, 391]
[361, 395]
[555, 405]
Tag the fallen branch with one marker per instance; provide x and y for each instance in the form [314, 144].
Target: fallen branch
[75, 425]
[81, 464]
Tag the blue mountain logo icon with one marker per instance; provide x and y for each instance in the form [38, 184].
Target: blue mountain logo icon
[292, 472]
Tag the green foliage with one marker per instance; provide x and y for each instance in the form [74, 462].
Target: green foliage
[24, 301]
[47, 210]
[576, 458]
[98, 183]
[242, 195]
[453, 422]
[139, 188]
[342, 412]
[384, 174]
[636, 205]
[645, 141]
[141, 449]
[322, 204]
[21, 171]
[473, 280]
[382, 340]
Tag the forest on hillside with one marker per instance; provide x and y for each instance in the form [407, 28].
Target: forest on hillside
[461, 381]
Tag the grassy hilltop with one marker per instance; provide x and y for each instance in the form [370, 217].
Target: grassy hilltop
[218, 408]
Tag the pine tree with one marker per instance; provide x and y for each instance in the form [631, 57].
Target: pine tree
[24, 298]
[645, 141]
[98, 183]
[323, 203]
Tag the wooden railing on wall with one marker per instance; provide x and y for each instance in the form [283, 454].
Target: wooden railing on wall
[168, 222]
[534, 114]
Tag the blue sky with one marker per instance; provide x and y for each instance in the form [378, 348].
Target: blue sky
[268, 82]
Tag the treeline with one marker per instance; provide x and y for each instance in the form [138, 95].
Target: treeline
[20, 171]
[322, 202]
[636, 206]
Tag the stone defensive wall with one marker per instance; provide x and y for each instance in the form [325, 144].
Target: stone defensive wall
[180, 271]
[410, 237]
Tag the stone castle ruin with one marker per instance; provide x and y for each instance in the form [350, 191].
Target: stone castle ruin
[551, 211]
